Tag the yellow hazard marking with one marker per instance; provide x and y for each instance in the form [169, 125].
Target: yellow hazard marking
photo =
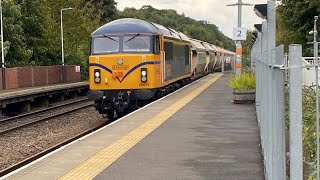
[21, 91]
[101, 160]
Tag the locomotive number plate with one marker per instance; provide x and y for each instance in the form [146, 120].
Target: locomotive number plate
[120, 67]
[144, 84]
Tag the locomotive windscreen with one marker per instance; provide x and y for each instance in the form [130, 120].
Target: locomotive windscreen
[104, 45]
[136, 43]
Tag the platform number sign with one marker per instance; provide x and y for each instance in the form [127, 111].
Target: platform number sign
[228, 60]
[239, 34]
[77, 69]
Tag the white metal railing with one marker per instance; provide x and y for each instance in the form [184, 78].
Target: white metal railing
[309, 60]
[308, 74]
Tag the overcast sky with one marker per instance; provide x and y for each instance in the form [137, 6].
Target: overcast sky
[214, 11]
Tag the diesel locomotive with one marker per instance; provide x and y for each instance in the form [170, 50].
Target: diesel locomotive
[134, 60]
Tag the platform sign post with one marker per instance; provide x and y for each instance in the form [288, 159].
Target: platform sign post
[239, 34]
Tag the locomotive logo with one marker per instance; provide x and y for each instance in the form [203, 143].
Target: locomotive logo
[120, 65]
[120, 61]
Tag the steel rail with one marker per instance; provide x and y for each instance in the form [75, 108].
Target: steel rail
[41, 110]
[44, 118]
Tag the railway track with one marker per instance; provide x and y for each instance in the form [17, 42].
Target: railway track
[28, 119]
[45, 152]
[40, 116]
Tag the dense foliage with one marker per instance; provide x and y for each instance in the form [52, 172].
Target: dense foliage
[295, 19]
[294, 22]
[201, 30]
[308, 131]
[32, 32]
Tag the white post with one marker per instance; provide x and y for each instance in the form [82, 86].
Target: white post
[2, 50]
[295, 112]
[316, 61]
[62, 48]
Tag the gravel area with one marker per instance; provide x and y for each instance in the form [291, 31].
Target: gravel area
[38, 116]
[22, 144]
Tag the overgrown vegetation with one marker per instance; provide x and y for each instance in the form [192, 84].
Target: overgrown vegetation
[32, 30]
[309, 130]
[202, 30]
[32, 33]
[246, 80]
[294, 22]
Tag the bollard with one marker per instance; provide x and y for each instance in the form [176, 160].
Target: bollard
[295, 112]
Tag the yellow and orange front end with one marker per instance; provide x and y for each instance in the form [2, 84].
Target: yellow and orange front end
[123, 68]
[124, 71]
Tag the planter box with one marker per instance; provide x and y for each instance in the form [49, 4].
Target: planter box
[245, 96]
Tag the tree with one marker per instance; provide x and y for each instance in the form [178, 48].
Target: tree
[17, 51]
[295, 20]
[201, 30]
[41, 32]
[105, 9]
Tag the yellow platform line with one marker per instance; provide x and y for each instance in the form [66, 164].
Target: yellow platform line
[101, 160]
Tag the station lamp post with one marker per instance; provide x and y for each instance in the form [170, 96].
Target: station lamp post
[2, 51]
[315, 43]
[62, 48]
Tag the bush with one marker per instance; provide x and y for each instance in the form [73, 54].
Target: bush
[309, 130]
[247, 80]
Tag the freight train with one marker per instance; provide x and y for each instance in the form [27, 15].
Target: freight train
[132, 60]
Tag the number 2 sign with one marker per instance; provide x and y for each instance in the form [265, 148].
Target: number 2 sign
[239, 34]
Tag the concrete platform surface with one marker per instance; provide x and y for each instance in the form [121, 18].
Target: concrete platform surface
[195, 133]
[209, 138]
[6, 94]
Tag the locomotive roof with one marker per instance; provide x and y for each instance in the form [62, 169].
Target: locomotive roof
[197, 45]
[126, 25]
[208, 47]
[216, 48]
[132, 25]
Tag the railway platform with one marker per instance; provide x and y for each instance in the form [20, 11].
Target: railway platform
[22, 98]
[194, 133]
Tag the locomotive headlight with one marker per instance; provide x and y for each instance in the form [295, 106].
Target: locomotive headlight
[97, 76]
[144, 74]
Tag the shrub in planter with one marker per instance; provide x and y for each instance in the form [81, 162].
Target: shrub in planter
[243, 88]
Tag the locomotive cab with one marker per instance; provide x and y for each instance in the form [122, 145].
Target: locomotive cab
[125, 65]
[134, 61]
[121, 68]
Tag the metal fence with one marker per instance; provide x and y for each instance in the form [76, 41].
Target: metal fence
[274, 71]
